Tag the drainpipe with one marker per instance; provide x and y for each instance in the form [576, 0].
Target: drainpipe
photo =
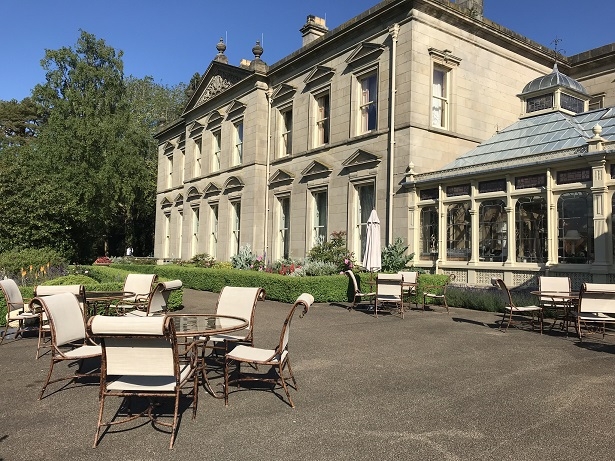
[394, 31]
[268, 93]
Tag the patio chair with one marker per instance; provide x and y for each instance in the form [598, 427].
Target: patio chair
[511, 309]
[17, 310]
[69, 341]
[437, 292]
[358, 294]
[556, 285]
[158, 299]
[409, 285]
[236, 302]
[596, 306]
[44, 330]
[277, 358]
[140, 358]
[389, 293]
[142, 286]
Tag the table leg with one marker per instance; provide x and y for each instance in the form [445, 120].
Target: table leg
[203, 370]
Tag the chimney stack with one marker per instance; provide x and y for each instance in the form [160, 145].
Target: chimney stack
[314, 28]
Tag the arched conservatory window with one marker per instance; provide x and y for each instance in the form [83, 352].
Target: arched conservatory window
[531, 229]
[492, 230]
[575, 240]
[429, 232]
[458, 232]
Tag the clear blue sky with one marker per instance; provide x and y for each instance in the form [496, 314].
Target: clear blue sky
[172, 40]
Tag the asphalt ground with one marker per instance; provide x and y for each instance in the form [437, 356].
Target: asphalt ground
[433, 386]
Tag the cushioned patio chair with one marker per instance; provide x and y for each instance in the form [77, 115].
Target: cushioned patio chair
[596, 306]
[556, 285]
[142, 286]
[409, 285]
[437, 292]
[140, 358]
[237, 302]
[17, 309]
[44, 330]
[277, 358]
[157, 302]
[69, 341]
[358, 295]
[512, 309]
[389, 293]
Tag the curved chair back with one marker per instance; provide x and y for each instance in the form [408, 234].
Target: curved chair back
[12, 295]
[139, 284]
[239, 302]
[160, 296]
[353, 279]
[48, 290]
[306, 300]
[137, 346]
[65, 317]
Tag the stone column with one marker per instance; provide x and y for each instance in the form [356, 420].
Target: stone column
[601, 213]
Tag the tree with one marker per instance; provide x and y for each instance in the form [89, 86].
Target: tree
[19, 122]
[86, 183]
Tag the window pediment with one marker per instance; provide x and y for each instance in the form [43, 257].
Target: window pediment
[215, 118]
[235, 108]
[179, 200]
[181, 143]
[316, 168]
[233, 183]
[193, 194]
[319, 72]
[165, 203]
[365, 52]
[168, 148]
[212, 189]
[195, 129]
[280, 177]
[361, 157]
[444, 57]
[283, 90]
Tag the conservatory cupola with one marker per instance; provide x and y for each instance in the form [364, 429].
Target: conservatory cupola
[554, 92]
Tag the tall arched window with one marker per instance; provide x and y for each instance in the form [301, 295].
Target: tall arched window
[575, 240]
[458, 232]
[531, 229]
[492, 230]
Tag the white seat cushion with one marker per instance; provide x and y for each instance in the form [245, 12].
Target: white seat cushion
[252, 354]
[84, 351]
[148, 383]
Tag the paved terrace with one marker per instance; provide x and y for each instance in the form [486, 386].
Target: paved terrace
[430, 387]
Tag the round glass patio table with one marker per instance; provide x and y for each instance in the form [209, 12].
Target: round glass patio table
[96, 300]
[197, 328]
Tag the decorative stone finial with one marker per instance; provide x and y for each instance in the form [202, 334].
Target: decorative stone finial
[221, 47]
[597, 130]
[257, 50]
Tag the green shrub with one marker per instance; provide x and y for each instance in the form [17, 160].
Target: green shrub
[31, 265]
[333, 251]
[316, 268]
[245, 259]
[203, 260]
[394, 257]
[71, 280]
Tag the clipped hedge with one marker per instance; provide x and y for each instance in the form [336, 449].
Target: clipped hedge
[283, 288]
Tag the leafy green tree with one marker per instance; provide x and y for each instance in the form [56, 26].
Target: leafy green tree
[85, 182]
[19, 122]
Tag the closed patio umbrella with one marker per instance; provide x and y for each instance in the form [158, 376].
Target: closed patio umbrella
[372, 258]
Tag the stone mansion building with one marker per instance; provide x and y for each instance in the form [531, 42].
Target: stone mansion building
[490, 155]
